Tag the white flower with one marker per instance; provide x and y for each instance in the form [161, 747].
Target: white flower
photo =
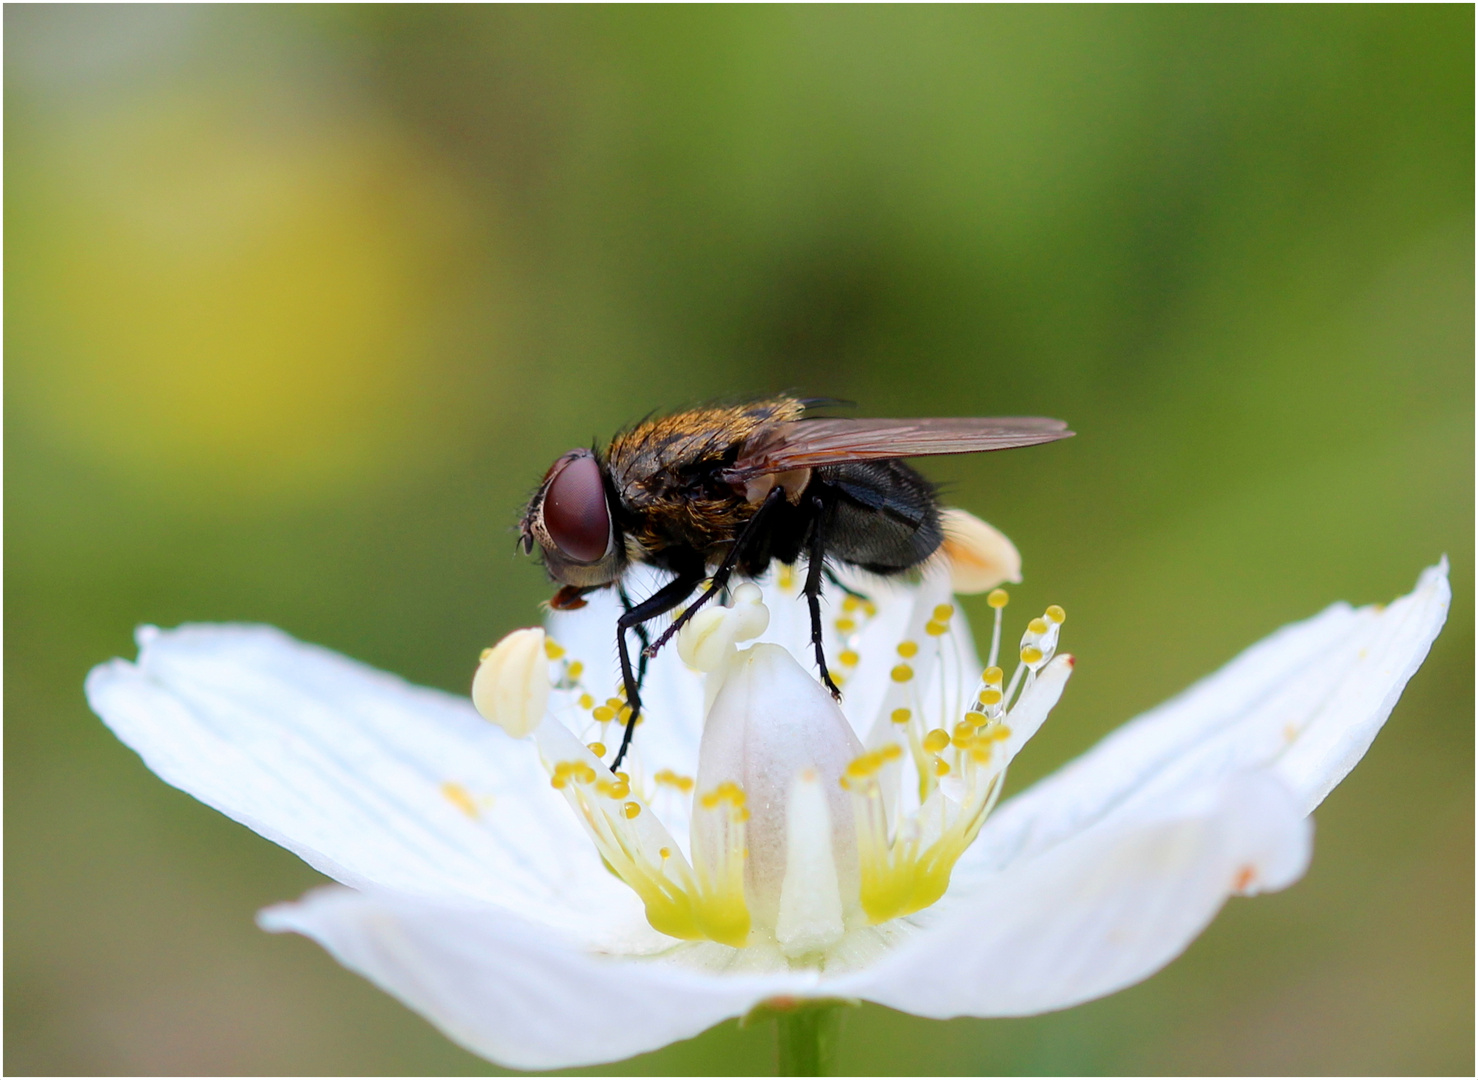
[788, 847]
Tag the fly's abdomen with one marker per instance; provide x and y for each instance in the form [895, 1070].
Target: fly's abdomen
[883, 517]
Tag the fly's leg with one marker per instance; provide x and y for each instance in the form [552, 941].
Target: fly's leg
[642, 636]
[663, 600]
[721, 575]
[814, 568]
[831, 577]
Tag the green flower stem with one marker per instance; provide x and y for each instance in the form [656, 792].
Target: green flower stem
[807, 1038]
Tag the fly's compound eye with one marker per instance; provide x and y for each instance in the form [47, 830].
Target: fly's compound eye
[575, 512]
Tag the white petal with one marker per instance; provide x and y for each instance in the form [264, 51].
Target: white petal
[369, 779]
[1307, 700]
[1336, 738]
[510, 992]
[1098, 912]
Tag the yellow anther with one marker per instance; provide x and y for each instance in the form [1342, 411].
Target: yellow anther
[575, 669]
[1002, 732]
[604, 713]
[998, 598]
[936, 740]
[665, 852]
[631, 809]
[848, 658]
[586, 701]
[618, 789]
[990, 696]
[902, 673]
[1056, 614]
[563, 768]
[941, 767]
[615, 703]
[959, 742]
[583, 773]
[846, 626]
[891, 751]
[1031, 655]
[625, 713]
[598, 749]
[900, 716]
[936, 629]
[741, 814]
[710, 800]
[908, 648]
[485, 653]
[785, 578]
[553, 649]
[850, 603]
[866, 765]
[869, 608]
[993, 675]
[622, 774]
[964, 729]
[944, 612]
[672, 779]
[557, 780]
[838, 678]
[980, 755]
[1037, 626]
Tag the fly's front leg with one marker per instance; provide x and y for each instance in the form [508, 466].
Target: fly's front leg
[642, 637]
[721, 575]
[663, 600]
[814, 570]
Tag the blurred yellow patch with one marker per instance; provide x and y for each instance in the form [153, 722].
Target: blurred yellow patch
[233, 298]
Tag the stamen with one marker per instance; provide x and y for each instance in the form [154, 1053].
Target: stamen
[961, 760]
[998, 599]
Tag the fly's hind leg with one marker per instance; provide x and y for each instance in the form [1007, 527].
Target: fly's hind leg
[815, 568]
[833, 579]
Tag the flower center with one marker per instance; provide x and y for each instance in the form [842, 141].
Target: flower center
[798, 832]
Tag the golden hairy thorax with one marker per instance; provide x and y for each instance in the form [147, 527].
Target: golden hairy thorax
[666, 470]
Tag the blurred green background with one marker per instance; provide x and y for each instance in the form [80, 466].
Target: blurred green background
[301, 301]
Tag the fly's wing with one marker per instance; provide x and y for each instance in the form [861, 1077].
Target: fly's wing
[807, 444]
